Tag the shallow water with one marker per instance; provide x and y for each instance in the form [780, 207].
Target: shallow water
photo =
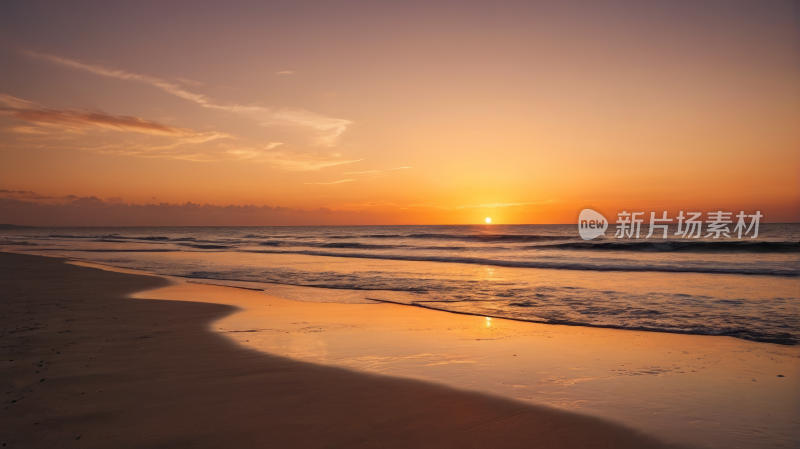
[747, 288]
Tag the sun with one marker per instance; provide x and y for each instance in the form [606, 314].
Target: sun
[488, 220]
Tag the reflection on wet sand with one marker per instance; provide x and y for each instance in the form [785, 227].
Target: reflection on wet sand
[716, 391]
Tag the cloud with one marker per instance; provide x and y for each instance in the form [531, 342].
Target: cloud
[197, 148]
[75, 119]
[375, 172]
[33, 197]
[285, 72]
[328, 128]
[123, 75]
[329, 183]
[4, 192]
[285, 159]
[25, 130]
[72, 210]
[190, 82]
[163, 141]
[289, 160]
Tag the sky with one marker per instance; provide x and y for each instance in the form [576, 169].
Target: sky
[413, 112]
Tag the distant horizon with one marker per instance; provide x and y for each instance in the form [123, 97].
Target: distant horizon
[644, 225]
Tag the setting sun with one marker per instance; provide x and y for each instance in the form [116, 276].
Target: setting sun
[488, 220]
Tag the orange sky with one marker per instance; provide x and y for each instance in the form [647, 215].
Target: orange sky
[406, 113]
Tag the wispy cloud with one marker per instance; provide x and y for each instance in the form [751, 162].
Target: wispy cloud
[180, 150]
[183, 149]
[190, 82]
[123, 75]
[328, 128]
[375, 172]
[289, 159]
[75, 119]
[285, 72]
[25, 130]
[53, 127]
[329, 183]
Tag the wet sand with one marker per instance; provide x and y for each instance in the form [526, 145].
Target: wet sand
[84, 365]
[705, 391]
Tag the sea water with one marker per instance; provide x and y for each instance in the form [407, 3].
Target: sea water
[746, 288]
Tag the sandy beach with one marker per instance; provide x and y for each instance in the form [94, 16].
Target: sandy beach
[84, 366]
[703, 391]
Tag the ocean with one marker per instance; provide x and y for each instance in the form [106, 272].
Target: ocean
[744, 288]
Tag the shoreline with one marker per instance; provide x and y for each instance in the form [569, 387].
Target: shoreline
[701, 390]
[238, 283]
[120, 378]
[562, 323]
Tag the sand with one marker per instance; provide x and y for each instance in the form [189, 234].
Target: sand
[714, 392]
[84, 365]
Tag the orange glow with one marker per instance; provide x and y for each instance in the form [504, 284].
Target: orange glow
[526, 121]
